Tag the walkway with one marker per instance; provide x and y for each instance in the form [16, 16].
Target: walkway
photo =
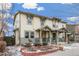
[70, 50]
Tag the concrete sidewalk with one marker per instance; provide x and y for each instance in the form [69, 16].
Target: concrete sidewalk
[69, 50]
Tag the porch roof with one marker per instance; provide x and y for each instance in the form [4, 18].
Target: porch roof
[63, 30]
[45, 28]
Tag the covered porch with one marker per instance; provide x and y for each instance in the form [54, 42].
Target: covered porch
[46, 36]
[62, 35]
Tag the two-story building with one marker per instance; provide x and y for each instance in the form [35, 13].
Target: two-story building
[38, 29]
[74, 30]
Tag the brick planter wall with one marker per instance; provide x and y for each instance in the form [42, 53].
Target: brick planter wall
[38, 53]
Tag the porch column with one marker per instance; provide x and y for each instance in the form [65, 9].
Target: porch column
[66, 38]
[57, 38]
[50, 36]
[17, 38]
[40, 37]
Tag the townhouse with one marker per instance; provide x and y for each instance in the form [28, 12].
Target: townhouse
[38, 29]
[74, 30]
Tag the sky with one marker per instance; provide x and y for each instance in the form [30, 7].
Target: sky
[69, 12]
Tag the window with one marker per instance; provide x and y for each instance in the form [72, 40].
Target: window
[26, 34]
[42, 21]
[32, 34]
[29, 19]
[29, 34]
[62, 25]
[54, 25]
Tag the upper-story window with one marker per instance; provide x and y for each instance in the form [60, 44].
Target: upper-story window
[55, 25]
[42, 22]
[62, 25]
[29, 19]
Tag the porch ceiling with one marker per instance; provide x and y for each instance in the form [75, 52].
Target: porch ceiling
[63, 30]
[45, 28]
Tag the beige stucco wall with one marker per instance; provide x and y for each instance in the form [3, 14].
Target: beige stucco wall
[17, 37]
[24, 26]
[36, 23]
[58, 24]
[16, 23]
[48, 22]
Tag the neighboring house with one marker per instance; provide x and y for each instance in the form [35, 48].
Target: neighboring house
[76, 37]
[74, 30]
[38, 29]
[71, 30]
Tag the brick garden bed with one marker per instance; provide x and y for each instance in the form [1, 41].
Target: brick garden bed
[39, 53]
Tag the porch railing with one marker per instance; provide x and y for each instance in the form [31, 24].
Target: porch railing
[45, 40]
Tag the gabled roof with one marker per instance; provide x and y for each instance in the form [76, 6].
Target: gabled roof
[40, 16]
[28, 13]
[63, 30]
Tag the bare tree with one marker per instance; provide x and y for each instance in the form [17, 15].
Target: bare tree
[4, 7]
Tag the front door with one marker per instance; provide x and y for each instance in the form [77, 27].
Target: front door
[54, 37]
[44, 40]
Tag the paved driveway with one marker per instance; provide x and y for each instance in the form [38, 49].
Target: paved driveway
[69, 50]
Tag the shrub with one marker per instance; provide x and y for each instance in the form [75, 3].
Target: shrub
[28, 45]
[2, 46]
[10, 41]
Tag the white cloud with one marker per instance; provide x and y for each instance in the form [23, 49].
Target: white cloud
[73, 18]
[66, 3]
[32, 6]
[40, 8]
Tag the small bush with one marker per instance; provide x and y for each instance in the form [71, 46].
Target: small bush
[37, 44]
[10, 41]
[28, 45]
[2, 46]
